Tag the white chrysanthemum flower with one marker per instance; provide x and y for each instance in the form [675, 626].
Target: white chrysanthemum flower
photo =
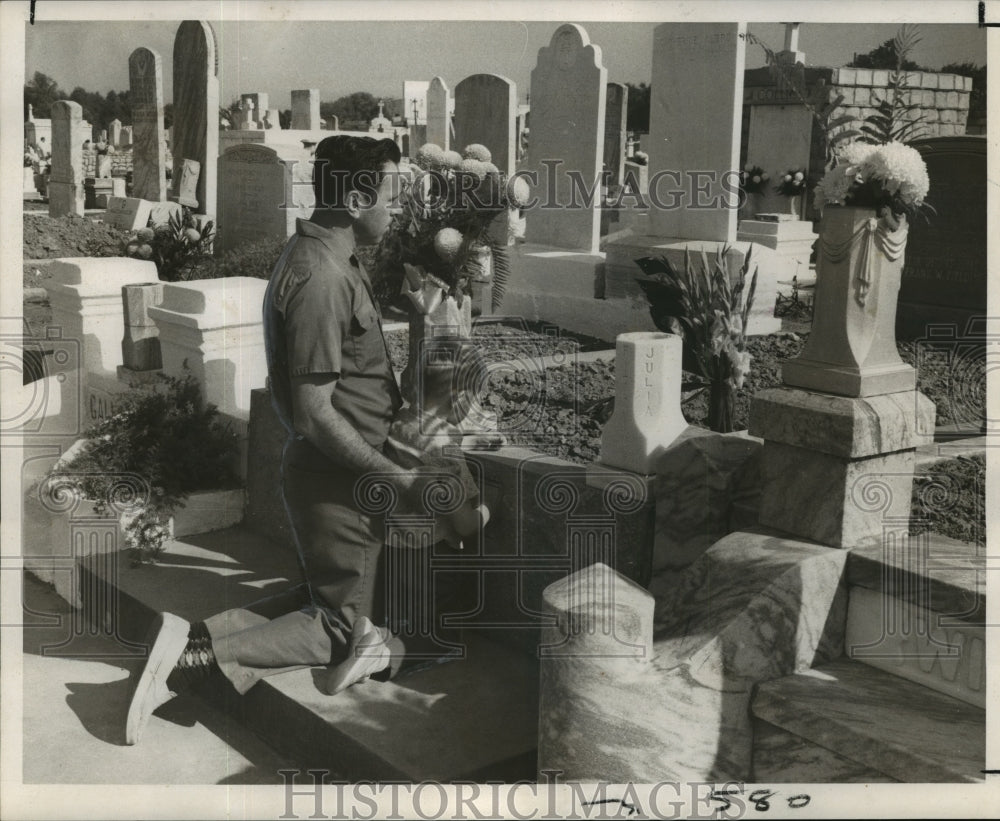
[476, 168]
[854, 152]
[901, 170]
[451, 159]
[475, 151]
[429, 155]
[834, 187]
[447, 242]
[518, 192]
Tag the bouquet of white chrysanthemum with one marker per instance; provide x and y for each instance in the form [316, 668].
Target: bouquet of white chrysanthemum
[891, 179]
[448, 216]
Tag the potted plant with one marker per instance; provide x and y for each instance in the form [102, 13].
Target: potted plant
[792, 184]
[143, 463]
[707, 305]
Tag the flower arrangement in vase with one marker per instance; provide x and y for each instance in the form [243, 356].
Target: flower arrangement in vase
[793, 184]
[451, 229]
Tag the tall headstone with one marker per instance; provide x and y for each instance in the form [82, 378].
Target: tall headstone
[272, 119]
[126, 136]
[196, 105]
[615, 116]
[780, 138]
[256, 198]
[66, 192]
[115, 133]
[945, 275]
[568, 92]
[305, 109]
[485, 113]
[149, 169]
[438, 118]
[695, 123]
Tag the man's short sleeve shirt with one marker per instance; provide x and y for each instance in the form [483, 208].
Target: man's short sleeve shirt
[319, 318]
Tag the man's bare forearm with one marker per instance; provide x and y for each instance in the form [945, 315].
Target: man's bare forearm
[326, 428]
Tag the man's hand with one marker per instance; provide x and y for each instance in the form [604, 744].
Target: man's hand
[315, 418]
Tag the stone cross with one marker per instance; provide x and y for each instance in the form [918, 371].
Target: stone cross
[791, 55]
[647, 416]
[149, 168]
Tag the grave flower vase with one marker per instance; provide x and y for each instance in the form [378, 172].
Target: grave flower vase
[753, 205]
[721, 407]
[852, 347]
[447, 319]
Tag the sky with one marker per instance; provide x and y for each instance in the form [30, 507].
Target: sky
[343, 57]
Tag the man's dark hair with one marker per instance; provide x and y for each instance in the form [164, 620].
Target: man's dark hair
[343, 164]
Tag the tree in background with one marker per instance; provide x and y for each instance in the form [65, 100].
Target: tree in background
[977, 99]
[40, 92]
[353, 111]
[637, 118]
[884, 56]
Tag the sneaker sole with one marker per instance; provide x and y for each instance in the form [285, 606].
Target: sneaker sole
[166, 639]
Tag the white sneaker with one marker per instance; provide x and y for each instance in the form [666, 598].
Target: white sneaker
[166, 639]
[368, 654]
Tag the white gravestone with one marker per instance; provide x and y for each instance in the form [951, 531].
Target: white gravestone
[438, 117]
[647, 416]
[695, 118]
[568, 93]
[65, 183]
[129, 213]
[305, 109]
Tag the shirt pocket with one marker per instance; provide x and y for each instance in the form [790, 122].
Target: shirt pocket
[369, 352]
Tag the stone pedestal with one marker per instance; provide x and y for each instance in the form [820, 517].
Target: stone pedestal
[791, 240]
[97, 191]
[86, 299]
[594, 653]
[852, 348]
[141, 343]
[833, 468]
[647, 416]
[213, 329]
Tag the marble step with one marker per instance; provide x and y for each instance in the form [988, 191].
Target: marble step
[941, 652]
[917, 609]
[882, 723]
[474, 718]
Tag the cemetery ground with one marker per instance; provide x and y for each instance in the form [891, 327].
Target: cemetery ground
[569, 378]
